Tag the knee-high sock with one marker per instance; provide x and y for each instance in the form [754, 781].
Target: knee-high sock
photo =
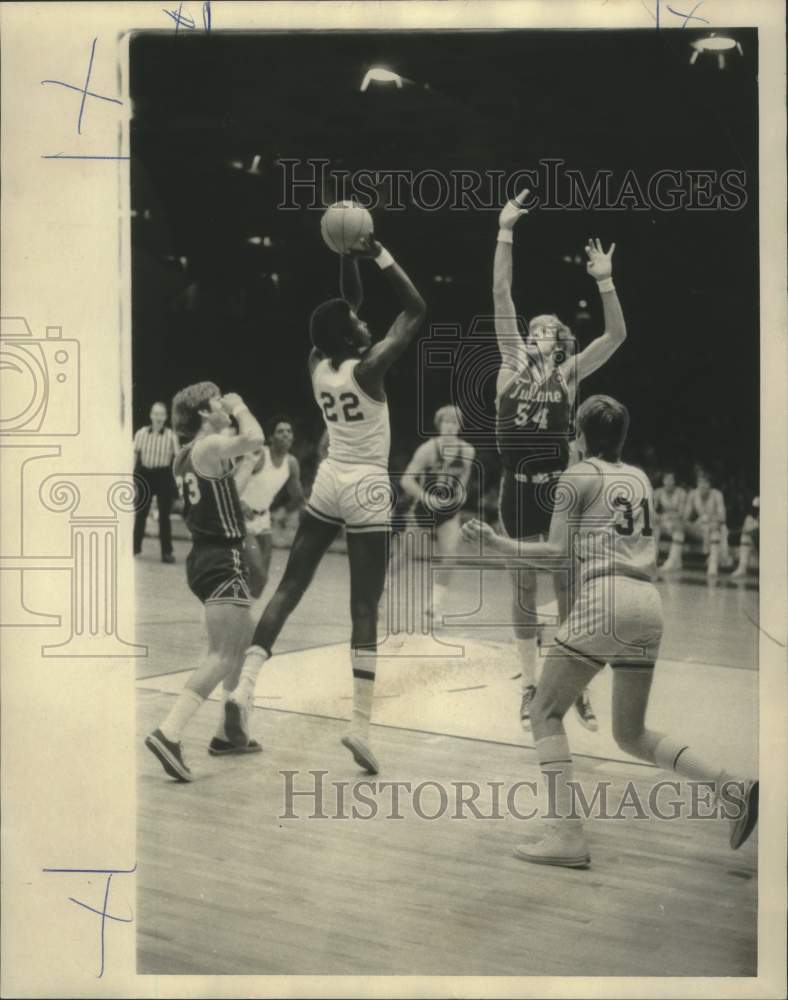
[673, 755]
[253, 661]
[364, 667]
[745, 550]
[186, 704]
[555, 763]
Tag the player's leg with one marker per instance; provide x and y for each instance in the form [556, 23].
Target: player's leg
[143, 500]
[563, 583]
[255, 562]
[679, 532]
[368, 557]
[312, 539]
[265, 543]
[745, 546]
[447, 537]
[526, 627]
[564, 677]
[227, 624]
[738, 798]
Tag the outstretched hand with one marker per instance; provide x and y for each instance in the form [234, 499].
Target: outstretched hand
[599, 264]
[512, 211]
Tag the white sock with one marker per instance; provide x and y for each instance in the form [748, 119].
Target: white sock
[555, 763]
[671, 755]
[364, 666]
[253, 663]
[220, 733]
[186, 704]
[527, 651]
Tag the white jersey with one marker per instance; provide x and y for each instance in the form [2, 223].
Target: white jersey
[613, 535]
[263, 486]
[358, 426]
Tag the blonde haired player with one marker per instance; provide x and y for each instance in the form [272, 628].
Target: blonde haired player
[352, 485]
[535, 395]
[436, 479]
[602, 525]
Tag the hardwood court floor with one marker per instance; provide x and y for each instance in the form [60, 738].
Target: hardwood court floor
[228, 885]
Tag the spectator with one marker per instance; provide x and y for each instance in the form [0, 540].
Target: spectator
[750, 533]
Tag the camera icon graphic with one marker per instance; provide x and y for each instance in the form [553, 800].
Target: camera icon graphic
[39, 380]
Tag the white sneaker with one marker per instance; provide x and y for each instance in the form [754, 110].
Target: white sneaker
[563, 844]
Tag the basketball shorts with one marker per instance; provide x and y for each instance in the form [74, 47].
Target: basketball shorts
[614, 619]
[360, 497]
[218, 573]
[526, 504]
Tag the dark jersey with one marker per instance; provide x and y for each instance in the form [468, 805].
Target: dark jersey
[211, 508]
[534, 422]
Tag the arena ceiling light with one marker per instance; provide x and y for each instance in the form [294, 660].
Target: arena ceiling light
[380, 75]
[717, 45]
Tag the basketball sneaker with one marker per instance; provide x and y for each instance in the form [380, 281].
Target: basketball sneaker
[362, 754]
[563, 844]
[220, 748]
[743, 825]
[236, 723]
[585, 712]
[525, 707]
[169, 755]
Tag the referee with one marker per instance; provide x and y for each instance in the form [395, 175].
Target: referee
[155, 448]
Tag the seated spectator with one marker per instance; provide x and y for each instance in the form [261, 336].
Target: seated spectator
[749, 537]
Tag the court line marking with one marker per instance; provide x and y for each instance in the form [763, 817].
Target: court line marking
[423, 732]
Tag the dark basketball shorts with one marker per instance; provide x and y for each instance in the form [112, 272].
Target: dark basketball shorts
[219, 573]
[526, 503]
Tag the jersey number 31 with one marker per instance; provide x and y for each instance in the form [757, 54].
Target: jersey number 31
[629, 517]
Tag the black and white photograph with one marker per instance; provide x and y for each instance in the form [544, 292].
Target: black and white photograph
[418, 616]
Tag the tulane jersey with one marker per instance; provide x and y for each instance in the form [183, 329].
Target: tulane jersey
[534, 420]
[614, 536]
[211, 508]
[357, 425]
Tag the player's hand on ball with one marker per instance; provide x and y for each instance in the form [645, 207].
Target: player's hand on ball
[512, 211]
[599, 264]
[367, 246]
[229, 401]
[475, 530]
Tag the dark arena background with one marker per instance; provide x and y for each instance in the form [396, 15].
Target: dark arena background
[228, 264]
[224, 281]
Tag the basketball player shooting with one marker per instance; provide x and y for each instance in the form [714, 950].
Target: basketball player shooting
[352, 485]
[535, 393]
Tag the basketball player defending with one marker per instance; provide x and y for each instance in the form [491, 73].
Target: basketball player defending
[437, 479]
[259, 478]
[535, 393]
[215, 568]
[602, 527]
[351, 487]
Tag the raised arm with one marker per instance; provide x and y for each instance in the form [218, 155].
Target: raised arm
[250, 464]
[600, 267]
[212, 452]
[510, 341]
[350, 287]
[380, 357]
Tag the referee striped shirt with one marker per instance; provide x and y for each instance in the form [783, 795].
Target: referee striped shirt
[156, 449]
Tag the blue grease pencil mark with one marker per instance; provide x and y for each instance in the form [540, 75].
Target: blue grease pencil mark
[103, 912]
[84, 90]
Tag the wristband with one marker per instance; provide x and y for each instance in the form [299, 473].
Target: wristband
[384, 259]
[239, 409]
[505, 236]
[606, 285]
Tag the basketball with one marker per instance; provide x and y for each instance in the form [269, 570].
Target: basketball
[343, 225]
